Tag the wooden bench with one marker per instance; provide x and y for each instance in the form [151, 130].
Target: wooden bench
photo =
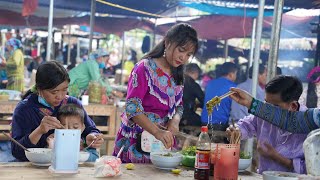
[108, 111]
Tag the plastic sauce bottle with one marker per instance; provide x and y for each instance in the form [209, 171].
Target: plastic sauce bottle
[202, 162]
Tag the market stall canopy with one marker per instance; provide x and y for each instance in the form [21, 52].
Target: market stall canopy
[223, 10]
[107, 25]
[217, 27]
[83, 6]
[248, 4]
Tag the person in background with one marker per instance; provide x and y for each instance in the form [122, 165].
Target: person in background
[3, 78]
[72, 116]
[279, 71]
[14, 65]
[87, 71]
[34, 118]
[73, 57]
[310, 95]
[278, 150]
[132, 60]
[154, 95]
[35, 64]
[59, 56]
[191, 92]
[218, 87]
[238, 111]
[34, 51]
[206, 78]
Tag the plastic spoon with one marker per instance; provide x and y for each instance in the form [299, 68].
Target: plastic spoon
[119, 153]
[89, 145]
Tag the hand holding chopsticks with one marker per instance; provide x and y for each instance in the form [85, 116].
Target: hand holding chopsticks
[95, 140]
[59, 126]
[48, 123]
[233, 133]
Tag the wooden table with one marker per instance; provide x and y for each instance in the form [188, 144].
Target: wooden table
[19, 170]
[110, 111]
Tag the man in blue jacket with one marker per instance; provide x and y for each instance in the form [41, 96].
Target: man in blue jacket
[227, 75]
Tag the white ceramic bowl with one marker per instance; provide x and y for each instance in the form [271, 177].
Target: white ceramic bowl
[39, 156]
[83, 156]
[165, 162]
[244, 164]
[278, 175]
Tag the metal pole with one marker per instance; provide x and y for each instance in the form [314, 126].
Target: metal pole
[123, 54]
[78, 50]
[39, 48]
[154, 34]
[69, 44]
[49, 40]
[249, 144]
[225, 50]
[92, 18]
[3, 43]
[253, 34]
[316, 60]
[275, 39]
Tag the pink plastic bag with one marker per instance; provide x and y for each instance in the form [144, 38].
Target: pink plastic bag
[107, 166]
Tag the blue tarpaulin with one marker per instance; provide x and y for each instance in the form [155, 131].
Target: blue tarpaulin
[228, 11]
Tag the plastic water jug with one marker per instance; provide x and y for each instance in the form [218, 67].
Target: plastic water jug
[311, 147]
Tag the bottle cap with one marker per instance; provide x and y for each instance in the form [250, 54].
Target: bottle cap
[204, 128]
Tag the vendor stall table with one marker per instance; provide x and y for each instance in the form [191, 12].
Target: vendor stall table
[24, 170]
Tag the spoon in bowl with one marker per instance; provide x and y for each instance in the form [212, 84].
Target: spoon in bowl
[15, 141]
[119, 153]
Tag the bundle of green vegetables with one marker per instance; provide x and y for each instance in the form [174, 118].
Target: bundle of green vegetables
[244, 155]
[189, 155]
[189, 151]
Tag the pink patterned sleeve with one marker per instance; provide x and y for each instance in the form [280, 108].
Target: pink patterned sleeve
[137, 89]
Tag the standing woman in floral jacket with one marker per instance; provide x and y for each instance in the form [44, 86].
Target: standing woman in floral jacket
[154, 95]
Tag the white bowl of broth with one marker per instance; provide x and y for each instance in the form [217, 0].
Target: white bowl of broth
[39, 156]
[165, 160]
[83, 156]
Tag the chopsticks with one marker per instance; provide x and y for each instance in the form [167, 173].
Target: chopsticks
[180, 133]
[235, 136]
[215, 101]
[15, 141]
[44, 114]
[226, 95]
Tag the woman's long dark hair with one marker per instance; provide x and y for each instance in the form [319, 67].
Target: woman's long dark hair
[179, 35]
[49, 75]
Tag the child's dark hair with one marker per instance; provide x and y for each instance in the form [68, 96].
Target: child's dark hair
[289, 87]
[226, 68]
[49, 75]
[179, 34]
[71, 110]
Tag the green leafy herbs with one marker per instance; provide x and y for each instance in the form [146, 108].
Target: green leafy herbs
[189, 151]
[167, 155]
[244, 155]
